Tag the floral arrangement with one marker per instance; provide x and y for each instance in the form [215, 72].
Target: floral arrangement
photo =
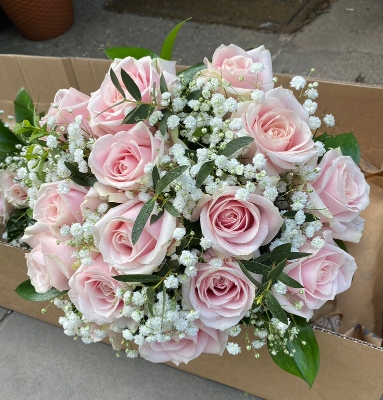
[176, 213]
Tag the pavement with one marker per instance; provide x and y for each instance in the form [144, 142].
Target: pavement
[37, 361]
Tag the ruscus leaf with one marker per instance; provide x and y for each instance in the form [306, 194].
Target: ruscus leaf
[123, 52]
[167, 47]
[341, 244]
[24, 108]
[347, 142]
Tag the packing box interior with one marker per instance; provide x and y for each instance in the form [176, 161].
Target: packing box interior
[350, 368]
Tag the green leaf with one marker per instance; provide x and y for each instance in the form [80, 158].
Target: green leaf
[194, 95]
[17, 223]
[131, 85]
[140, 113]
[155, 217]
[205, 170]
[155, 176]
[235, 145]
[30, 213]
[24, 108]
[191, 72]
[167, 47]
[171, 210]
[150, 292]
[28, 292]
[256, 267]
[280, 253]
[137, 278]
[198, 132]
[167, 179]
[348, 144]
[309, 217]
[8, 142]
[306, 360]
[275, 272]
[249, 277]
[296, 255]
[284, 278]
[262, 258]
[142, 219]
[123, 52]
[116, 82]
[164, 122]
[163, 84]
[275, 308]
[341, 244]
[80, 178]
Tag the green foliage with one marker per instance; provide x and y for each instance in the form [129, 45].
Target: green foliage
[8, 142]
[341, 244]
[171, 210]
[131, 85]
[140, 113]
[306, 359]
[205, 170]
[167, 47]
[80, 178]
[28, 292]
[141, 219]
[155, 217]
[163, 85]
[275, 308]
[116, 82]
[24, 108]
[17, 223]
[235, 145]
[309, 217]
[135, 278]
[135, 52]
[169, 177]
[189, 73]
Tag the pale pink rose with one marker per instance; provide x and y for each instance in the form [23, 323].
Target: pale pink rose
[106, 117]
[6, 210]
[342, 190]
[221, 295]
[237, 227]
[178, 350]
[12, 190]
[279, 128]
[91, 202]
[57, 209]
[232, 62]
[93, 292]
[113, 233]
[49, 264]
[119, 160]
[324, 274]
[66, 106]
[33, 233]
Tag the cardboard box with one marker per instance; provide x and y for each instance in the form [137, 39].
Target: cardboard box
[350, 368]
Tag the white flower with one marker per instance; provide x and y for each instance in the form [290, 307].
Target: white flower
[257, 344]
[233, 348]
[257, 67]
[63, 188]
[299, 200]
[259, 161]
[270, 193]
[131, 353]
[280, 288]
[314, 123]
[235, 124]
[242, 194]
[179, 233]
[329, 120]
[52, 142]
[298, 82]
[235, 330]
[190, 123]
[76, 230]
[216, 263]
[300, 217]
[309, 231]
[138, 299]
[188, 258]
[173, 121]
[230, 105]
[205, 243]
[310, 106]
[258, 95]
[171, 282]
[102, 208]
[179, 104]
[318, 242]
[312, 93]
[319, 147]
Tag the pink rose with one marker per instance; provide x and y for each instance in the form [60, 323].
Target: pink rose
[324, 274]
[6, 210]
[67, 105]
[222, 295]
[232, 62]
[113, 233]
[33, 233]
[49, 264]
[91, 202]
[93, 292]
[178, 350]
[342, 190]
[279, 126]
[237, 227]
[12, 190]
[119, 160]
[106, 117]
[57, 209]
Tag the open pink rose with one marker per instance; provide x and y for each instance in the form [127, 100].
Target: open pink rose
[93, 292]
[67, 105]
[33, 233]
[113, 233]
[106, 116]
[57, 209]
[237, 227]
[324, 274]
[342, 190]
[232, 62]
[49, 264]
[221, 295]
[178, 350]
[6, 210]
[119, 160]
[279, 126]
[13, 192]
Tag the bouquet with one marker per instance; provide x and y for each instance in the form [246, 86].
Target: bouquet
[175, 213]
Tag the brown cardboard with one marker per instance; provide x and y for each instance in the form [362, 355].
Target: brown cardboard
[349, 368]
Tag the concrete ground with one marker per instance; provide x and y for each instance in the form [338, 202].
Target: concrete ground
[37, 361]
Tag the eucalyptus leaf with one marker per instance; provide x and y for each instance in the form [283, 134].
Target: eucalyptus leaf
[275, 272]
[169, 177]
[26, 291]
[235, 145]
[130, 85]
[167, 47]
[142, 219]
[24, 108]
[123, 52]
[116, 82]
[150, 292]
[249, 277]
[295, 255]
[275, 308]
[155, 176]
[305, 361]
[137, 278]
[256, 267]
[163, 124]
[190, 73]
[171, 210]
[280, 253]
[205, 170]
[139, 113]
[284, 278]
[155, 217]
